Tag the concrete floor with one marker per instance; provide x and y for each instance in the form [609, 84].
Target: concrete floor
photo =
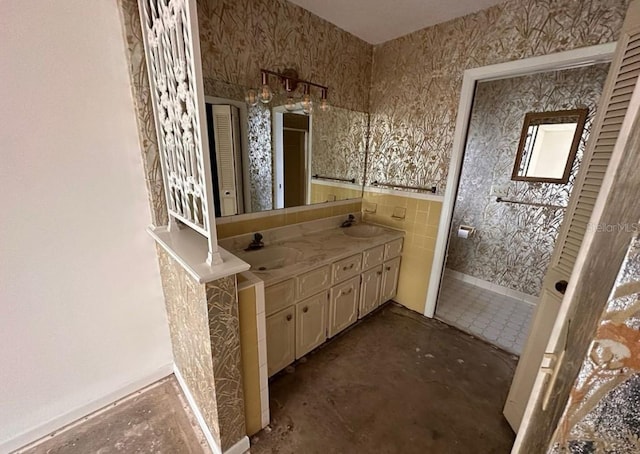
[396, 383]
[156, 419]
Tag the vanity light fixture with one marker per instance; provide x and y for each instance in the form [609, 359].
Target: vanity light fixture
[290, 81]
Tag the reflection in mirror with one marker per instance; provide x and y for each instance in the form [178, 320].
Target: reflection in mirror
[266, 157]
[548, 145]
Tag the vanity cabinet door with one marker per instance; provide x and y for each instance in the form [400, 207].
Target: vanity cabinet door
[311, 323]
[370, 291]
[343, 305]
[281, 330]
[390, 272]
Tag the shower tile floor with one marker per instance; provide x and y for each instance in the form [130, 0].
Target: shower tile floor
[498, 319]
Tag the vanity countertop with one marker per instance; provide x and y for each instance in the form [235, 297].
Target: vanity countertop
[315, 248]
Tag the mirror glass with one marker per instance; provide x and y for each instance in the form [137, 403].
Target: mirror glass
[267, 157]
[548, 145]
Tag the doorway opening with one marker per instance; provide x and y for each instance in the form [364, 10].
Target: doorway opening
[291, 157]
[505, 220]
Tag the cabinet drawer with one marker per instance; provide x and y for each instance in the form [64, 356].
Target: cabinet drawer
[372, 257]
[312, 282]
[343, 305]
[346, 268]
[392, 249]
[279, 296]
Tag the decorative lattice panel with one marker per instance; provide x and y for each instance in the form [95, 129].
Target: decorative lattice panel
[172, 72]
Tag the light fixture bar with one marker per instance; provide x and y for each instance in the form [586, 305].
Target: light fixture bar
[292, 79]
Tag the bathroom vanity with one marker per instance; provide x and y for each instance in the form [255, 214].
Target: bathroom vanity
[319, 279]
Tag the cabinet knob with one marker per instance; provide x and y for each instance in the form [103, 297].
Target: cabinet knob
[305, 309]
[378, 273]
[388, 268]
[347, 267]
[289, 317]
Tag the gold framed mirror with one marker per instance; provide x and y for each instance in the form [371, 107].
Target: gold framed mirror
[548, 145]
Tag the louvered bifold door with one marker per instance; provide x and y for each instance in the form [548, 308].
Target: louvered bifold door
[600, 147]
[225, 159]
[612, 108]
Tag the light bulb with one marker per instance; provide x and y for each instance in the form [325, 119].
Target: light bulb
[290, 104]
[307, 104]
[324, 104]
[251, 97]
[266, 95]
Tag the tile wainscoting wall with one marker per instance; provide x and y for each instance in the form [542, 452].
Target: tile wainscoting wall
[328, 192]
[421, 217]
[256, 409]
[248, 223]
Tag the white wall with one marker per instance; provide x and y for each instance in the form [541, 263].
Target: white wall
[82, 317]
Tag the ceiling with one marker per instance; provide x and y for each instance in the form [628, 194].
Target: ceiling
[377, 21]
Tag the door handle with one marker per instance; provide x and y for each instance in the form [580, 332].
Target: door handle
[561, 286]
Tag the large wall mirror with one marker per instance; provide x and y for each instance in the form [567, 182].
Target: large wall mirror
[269, 156]
[548, 145]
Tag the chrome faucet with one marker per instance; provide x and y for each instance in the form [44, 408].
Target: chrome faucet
[256, 243]
[349, 222]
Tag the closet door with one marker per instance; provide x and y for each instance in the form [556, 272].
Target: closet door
[612, 109]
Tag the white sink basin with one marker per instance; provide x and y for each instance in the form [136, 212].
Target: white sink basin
[363, 231]
[270, 258]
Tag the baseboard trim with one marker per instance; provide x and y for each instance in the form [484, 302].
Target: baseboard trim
[240, 447]
[196, 412]
[523, 297]
[70, 417]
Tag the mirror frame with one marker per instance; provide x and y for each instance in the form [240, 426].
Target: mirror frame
[577, 137]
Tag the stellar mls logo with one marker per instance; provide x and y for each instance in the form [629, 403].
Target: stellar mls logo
[614, 228]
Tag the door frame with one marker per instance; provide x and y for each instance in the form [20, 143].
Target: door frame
[585, 56]
[277, 151]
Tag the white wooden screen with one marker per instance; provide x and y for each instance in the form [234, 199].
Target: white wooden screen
[172, 47]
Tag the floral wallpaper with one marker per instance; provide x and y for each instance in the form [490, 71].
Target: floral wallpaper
[513, 243]
[239, 37]
[339, 143]
[602, 412]
[224, 338]
[186, 304]
[417, 78]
